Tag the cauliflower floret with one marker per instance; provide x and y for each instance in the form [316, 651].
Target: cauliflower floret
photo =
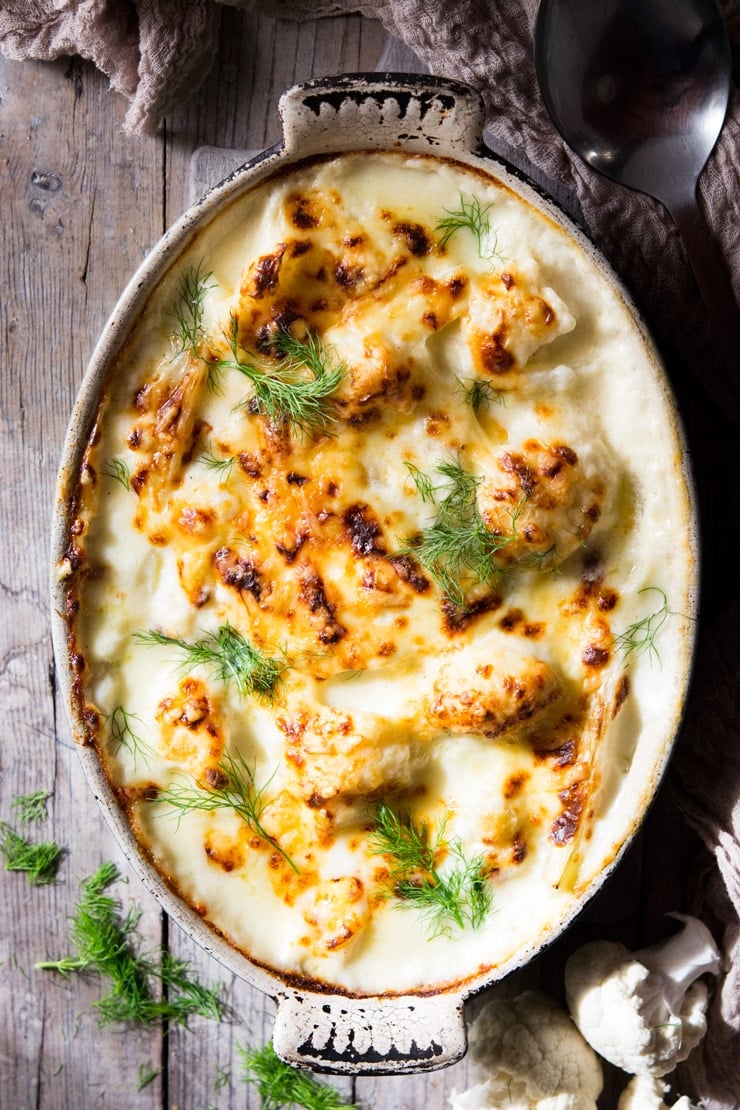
[484, 689]
[526, 1054]
[643, 1011]
[544, 499]
[511, 316]
[645, 1092]
[337, 753]
[338, 913]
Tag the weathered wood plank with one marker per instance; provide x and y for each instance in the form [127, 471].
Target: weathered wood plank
[82, 204]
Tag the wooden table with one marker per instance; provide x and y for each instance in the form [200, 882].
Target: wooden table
[82, 204]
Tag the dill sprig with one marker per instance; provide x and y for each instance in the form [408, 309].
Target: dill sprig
[456, 549]
[222, 465]
[459, 896]
[124, 734]
[188, 311]
[118, 470]
[479, 393]
[297, 393]
[235, 789]
[104, 938]
[31, 807]
[146, 1075]
[40, 861]
[279, 1084]
[470, 216]
[229, 656]
[639, 637]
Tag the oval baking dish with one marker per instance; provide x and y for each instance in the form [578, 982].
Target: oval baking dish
[374, 567]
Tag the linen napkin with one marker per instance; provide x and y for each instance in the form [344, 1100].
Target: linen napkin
[156, 51]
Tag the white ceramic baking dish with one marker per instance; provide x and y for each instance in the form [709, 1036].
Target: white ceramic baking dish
[314, 1027]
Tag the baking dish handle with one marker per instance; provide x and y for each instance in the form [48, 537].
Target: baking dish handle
[374, 111]
[379, 1036]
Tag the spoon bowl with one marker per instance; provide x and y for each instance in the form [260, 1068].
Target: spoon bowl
[640, 89]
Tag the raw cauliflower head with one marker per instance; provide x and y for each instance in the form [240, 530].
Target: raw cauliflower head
[645, 1092]
[643, 1011]
[527, 1054]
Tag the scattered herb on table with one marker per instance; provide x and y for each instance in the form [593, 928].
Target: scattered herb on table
[234, 788]
[279, 1084]
[31, 807]
[147, 1074]
[459, 895]
[39, 861]
[229, 656]
[105, 942]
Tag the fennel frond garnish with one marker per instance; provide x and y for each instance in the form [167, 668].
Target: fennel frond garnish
[297, 392]
[458, 895]
[230, 658]
[479, 393]
[279, 1084]
[222, 465]
[234, 788]
[104, 939]
[469, 216]
[639, 637]
[118, 470]
[31, 807]
[38, 861]
[456, 549]
[124, 734]
[147, 1074]
[188, 311]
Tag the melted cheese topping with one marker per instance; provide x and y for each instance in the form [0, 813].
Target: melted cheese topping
[499, 704]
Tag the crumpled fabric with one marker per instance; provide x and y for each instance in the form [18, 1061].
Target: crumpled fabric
[155, 52]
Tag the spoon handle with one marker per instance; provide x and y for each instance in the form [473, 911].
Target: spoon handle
[709, 270]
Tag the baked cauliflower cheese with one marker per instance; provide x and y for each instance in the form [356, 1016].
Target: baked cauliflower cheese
[378, 574]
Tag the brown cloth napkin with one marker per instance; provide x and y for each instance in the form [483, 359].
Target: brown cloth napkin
[157, 51]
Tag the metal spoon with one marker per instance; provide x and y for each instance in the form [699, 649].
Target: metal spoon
[639, 89]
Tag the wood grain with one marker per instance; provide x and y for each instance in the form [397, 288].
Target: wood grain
[82, 204]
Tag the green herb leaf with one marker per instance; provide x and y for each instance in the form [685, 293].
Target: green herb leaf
[40, 862]
[124, 734]
[640, 636]
[457, 549]
[477, 393]
[230, 658]
[146, 1074]
[297, 393]
[188, 311]
[31, 807]
[221, 465]
[236, 790]
[104, 938]
[458, 896]
[118, 470]
[279, 1084]
[223, 1078]
[470, 216]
